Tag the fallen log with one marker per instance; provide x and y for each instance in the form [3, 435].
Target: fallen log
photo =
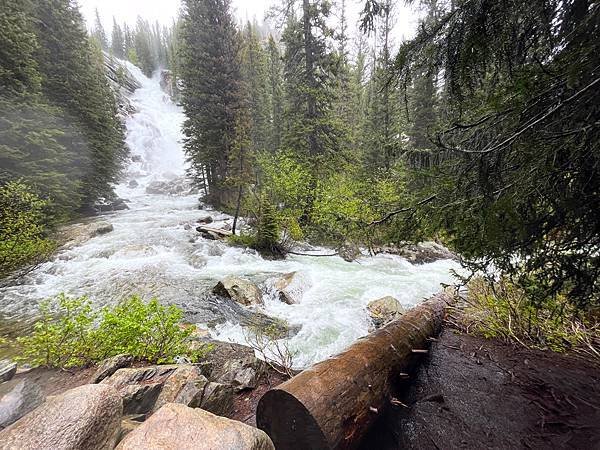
[332, 404]
[218, 231]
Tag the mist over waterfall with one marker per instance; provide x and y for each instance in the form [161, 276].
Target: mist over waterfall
[154, 250]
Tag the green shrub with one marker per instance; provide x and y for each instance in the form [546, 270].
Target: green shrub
[70, 333]
[22, 230]
[506, 310]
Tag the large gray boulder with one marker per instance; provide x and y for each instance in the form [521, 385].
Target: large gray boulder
[139, 387]
[8, 369]
[233, 364]
[85, 418]
[109, 366]
[17, 398]
[176, 426]
[291, 287]
[384, 310]
[239, 289]
[180, 387]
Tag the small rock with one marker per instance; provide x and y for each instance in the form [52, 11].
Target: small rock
[205, 220]
[175, 426]
[349, 252]
[139, 387]
[7, 370]
[239, 289]
[17, 398]
[109, 366]
[384, 310]
[85, 418]
[136, 158]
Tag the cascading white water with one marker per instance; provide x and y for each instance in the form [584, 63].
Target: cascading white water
[154, 251]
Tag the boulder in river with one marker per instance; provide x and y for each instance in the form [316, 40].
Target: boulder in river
[205, 220]
[291, 287]
[384, 310]
[7, 370]
[349, 252]
[178, 426]
[85, 418]
[133, 184]
[421, 253]
[17, 398]
[239, 289]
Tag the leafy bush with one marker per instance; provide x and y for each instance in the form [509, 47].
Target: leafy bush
[22, 230]
[506, 310]
[70, 333]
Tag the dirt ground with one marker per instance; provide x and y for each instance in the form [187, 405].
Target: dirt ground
[473, 393]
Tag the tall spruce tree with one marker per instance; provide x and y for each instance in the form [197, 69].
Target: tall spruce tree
[98, 33]
[117, 43]
[211, 84]
[275, 81]
[73, 78]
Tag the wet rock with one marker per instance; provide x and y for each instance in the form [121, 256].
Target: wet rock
[349, 252]
[136, 158]
[133, 184]
[422, 253]
[384, 310]
[7, 370]
[183, 428]
[118, 204]
[213, 310]
[85, 418]
[139, 387]
[74, 235]
[233, 364]
[205, 220]
[173, 389]
[109, 366]
[177, 186]
[291, 287]
[217, 398]
[17, 398]
[239, 289]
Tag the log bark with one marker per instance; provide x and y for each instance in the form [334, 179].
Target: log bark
[218, 231]
[332, 404]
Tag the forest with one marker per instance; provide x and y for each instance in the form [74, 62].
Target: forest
[480, 132]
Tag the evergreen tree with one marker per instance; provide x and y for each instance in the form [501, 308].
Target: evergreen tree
[144, 49]
[310, 71]
[98, 32]
[254, 74]
[275, 81]
[117, 44]
[211, 83]
[73, 78]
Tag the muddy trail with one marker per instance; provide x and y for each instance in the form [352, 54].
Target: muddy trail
[478, 393]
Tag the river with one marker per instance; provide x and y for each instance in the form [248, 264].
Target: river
[153, 251]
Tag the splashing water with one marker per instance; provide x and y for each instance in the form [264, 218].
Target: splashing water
[155, 251]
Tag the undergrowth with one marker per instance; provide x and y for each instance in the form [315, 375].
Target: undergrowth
[504, 310]
[71, 333]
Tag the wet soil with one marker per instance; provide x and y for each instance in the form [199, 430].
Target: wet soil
[472, 393]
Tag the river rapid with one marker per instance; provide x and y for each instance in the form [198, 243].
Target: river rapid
[154, 250]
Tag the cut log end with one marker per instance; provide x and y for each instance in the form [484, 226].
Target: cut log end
[288, 423]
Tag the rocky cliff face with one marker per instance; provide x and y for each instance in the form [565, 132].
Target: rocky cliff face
[123, 83]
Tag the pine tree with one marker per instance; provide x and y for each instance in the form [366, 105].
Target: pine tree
[98, 32]
[73, 78]
[211, 83]
[310, 68]
[117, 44]
[275, 80]
[254, 74]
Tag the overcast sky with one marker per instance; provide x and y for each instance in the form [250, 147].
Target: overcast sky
[164, 11]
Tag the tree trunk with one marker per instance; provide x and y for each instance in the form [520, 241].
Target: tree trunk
[332, 404]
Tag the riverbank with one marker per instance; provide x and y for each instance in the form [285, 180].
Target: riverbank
[473, 392]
